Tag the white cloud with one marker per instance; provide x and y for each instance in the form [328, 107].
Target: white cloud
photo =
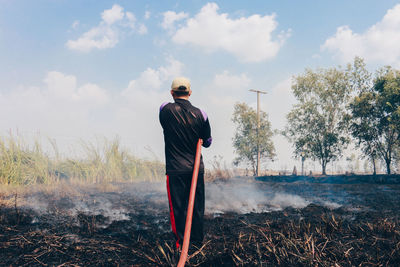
[131, 19]
[115, 23]
[170, 17]
[91, 92]
[75, 24]
[59, 107]
[152, 79]
[316, 56]
[64, 87]
[147, 15]
[110, 16]
[142, 29]
[59, 84]
[228, 82]
[248, 38]
[379, 43]
[100, 37]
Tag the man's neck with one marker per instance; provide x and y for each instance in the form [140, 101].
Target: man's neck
[182, 97]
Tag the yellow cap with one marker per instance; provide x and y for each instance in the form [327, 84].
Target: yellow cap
[178, 82]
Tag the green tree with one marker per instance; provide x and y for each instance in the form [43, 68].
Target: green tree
[246, 140]
[364, 121]
[317, 124]
[387, 85]
[364, 126]
[376, 116]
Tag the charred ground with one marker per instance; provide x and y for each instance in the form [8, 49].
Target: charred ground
[338, 223]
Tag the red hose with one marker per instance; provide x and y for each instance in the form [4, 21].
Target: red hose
[188, 225]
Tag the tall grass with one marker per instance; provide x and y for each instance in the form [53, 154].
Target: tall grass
[219, 170]
[23, 164]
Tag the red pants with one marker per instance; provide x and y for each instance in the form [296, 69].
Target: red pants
[178, 186]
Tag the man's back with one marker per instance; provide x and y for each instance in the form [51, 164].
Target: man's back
[183, 125]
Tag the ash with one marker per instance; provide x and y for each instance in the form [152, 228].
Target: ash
[269, 221]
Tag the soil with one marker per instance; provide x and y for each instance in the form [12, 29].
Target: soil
[338, 224]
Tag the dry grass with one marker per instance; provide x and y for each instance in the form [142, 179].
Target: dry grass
[21, 164]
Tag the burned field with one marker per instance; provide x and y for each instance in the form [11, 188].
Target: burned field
[248, 222]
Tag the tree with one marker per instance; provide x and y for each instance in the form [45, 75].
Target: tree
[317, 124]
[364, 126]
[246, 140]
[375, 112]
[387, 85]
[376, 116]
[364, 114]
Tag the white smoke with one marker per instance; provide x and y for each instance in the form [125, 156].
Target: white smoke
[120, 202]
[242, 195]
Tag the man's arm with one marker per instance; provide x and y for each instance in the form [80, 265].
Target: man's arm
[159, 115]
[206, 131]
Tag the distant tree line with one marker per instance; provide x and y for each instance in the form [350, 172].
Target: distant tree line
[335, 106]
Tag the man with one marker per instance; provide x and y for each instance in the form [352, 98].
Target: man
[183, 125]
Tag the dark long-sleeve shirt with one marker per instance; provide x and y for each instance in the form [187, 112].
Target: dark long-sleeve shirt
[183, 126]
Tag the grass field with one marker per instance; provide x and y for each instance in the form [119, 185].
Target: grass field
[23, 164]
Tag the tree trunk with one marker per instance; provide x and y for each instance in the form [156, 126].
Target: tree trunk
[387, 166]
[374, 165]
[323, 168]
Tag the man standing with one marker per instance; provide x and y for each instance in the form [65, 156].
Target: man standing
[183, 125]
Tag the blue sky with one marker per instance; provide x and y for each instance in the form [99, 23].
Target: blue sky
[74, 70]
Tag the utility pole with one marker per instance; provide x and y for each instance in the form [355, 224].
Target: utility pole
[258, 127]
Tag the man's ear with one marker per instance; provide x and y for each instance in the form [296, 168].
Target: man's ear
[190, 92]
[172, 93]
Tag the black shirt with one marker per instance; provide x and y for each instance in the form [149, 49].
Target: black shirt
[183, 126]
